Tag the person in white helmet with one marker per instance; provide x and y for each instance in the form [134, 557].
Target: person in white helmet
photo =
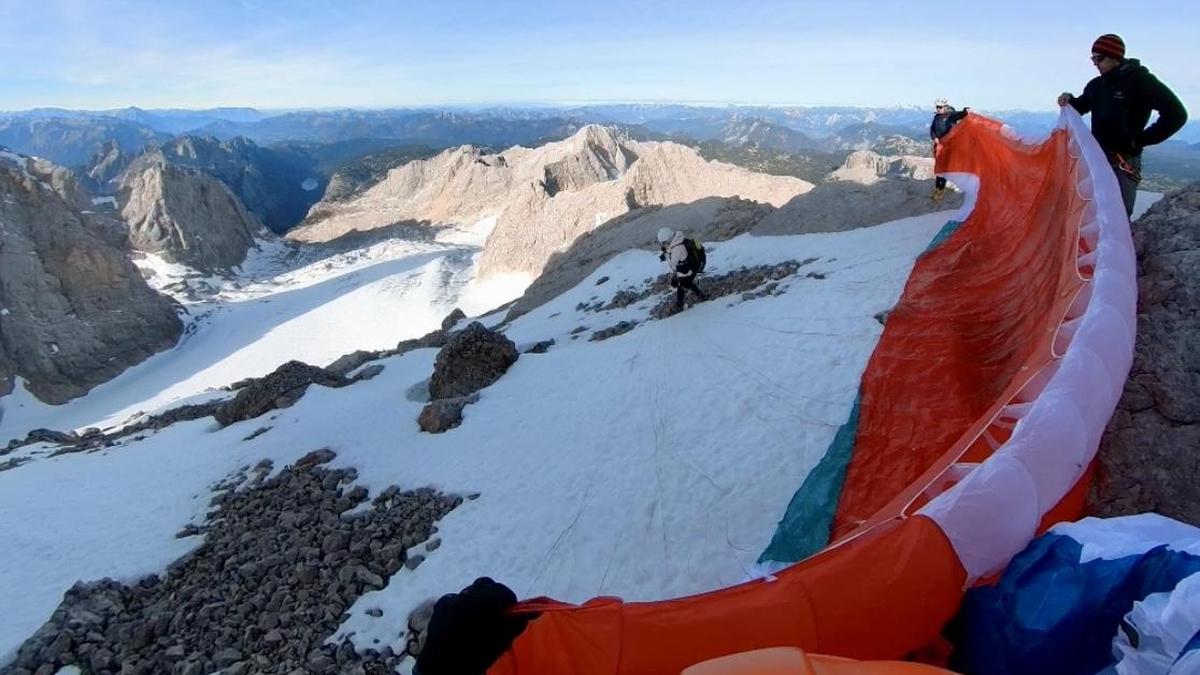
[684, 261]
[944, 119]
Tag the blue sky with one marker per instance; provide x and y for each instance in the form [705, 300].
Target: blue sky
[365, 53]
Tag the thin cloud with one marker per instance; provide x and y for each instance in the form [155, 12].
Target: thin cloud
[275, 53]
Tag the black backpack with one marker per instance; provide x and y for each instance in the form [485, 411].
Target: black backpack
[696, 257]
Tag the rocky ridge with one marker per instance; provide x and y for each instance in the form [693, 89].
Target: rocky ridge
[74, 311]
[841, 205]
[543, 198]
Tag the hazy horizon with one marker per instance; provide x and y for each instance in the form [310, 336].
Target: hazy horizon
[513, 105]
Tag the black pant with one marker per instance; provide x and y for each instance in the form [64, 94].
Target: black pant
[940, 183]
[1128, 177]
[686, 283]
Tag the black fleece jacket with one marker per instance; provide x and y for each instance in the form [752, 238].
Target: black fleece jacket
[942, 124]
[1121, 101]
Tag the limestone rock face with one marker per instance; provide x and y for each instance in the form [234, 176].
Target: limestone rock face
[537, 225]
[186, 216]
[598, 157]
[74, 311]
[867, 167]
[107, 165]
[1148, 455]
[542, 199]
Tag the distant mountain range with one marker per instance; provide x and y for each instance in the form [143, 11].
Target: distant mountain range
[72, 141]
[786, 140]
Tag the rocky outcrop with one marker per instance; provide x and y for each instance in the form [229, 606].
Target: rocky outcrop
[74, 311]
[1149, 459]
[867, 167]
[186, 216]
[472, 359]
[544, 198]
[92, 438]
[279, 567]
[453, 318]
[838, 206]
[461, 185]
[280, 389]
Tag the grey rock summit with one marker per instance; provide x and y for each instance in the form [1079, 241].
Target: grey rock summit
[185, 216]
[74, 311]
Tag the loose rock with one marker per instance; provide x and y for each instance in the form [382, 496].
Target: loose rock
[262, 594]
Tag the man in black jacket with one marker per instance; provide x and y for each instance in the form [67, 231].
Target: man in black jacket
[944, 119]
[1120, 100]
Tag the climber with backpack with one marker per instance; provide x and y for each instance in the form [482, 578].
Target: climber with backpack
[685, 258]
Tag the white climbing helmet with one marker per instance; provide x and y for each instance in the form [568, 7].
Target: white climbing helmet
[665, 234]
[940, 102]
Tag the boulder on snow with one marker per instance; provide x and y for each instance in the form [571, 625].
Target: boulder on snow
[280, 389]
[472, 359]
[51, 436]
[444, 414]
[343, 365]
[540, 347]
[435, 338]
[452, 319]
